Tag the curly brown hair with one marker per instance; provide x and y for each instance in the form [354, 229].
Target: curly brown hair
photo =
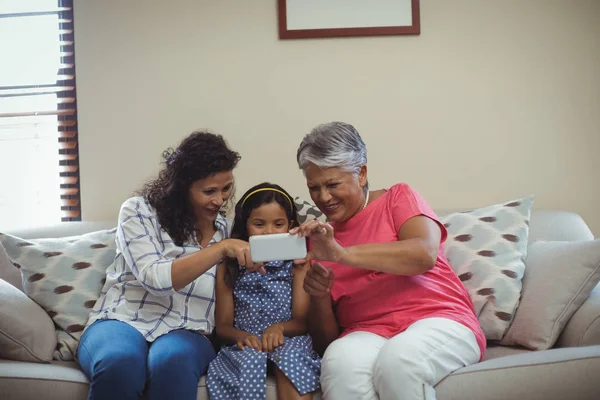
[198, 156]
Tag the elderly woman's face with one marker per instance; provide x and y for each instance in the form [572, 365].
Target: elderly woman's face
[336, 192]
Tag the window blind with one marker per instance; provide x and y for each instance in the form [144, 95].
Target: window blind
[38, 112]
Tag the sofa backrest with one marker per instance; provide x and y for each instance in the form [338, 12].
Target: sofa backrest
[551, 225]
[544, 225]
[63, 229]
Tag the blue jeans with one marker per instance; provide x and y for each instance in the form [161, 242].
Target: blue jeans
[121, 364]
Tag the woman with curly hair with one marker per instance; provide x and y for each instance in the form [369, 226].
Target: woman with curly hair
[147, 333]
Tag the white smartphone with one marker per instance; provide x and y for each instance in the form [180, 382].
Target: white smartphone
[276, 247]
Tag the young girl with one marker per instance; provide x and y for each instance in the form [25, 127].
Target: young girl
[262, 316]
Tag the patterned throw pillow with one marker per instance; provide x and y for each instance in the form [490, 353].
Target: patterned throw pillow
[486, 248]
[65, 277]
[308, 211]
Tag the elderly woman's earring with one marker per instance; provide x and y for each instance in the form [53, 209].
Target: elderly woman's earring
[366, 200]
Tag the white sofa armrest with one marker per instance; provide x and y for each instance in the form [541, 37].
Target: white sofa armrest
[583, 329]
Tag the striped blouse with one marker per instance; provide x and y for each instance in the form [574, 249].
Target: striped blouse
[138, 288]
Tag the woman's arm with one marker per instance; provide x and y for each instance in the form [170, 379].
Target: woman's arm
[226, 332]
[414, 253]
[140, 244]
[185, 270]
[322, 323]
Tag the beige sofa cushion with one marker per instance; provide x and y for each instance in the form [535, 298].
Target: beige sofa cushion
[26, 331]
[559, 277]
[558, 374]
[583, 329]
[8, 271]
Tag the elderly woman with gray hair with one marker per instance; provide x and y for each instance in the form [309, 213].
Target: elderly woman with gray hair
[387, 310]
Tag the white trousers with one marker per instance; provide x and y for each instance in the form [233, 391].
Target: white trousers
[366, 366]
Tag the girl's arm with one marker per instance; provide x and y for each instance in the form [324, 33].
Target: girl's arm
[300, 303]
[274, 335]
[224, 316]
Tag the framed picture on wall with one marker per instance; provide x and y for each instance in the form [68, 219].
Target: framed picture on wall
[304, 19]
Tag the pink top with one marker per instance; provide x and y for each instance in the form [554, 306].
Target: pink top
[388, 304]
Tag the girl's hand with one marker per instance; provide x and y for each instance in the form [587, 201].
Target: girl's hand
[324, 247]
[249, 340]
[272, 338]
[235, 248]
[318, 281]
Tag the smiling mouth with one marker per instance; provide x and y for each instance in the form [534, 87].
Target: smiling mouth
[331, 208]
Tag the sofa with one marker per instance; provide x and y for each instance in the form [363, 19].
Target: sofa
[569, 370]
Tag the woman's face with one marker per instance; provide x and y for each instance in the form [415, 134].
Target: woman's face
[208, 195]
[336, 192]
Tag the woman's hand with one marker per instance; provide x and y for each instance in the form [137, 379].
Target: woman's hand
[324, 247]
[272, 338]
[249, 340]
[318, 281]
[239, 249]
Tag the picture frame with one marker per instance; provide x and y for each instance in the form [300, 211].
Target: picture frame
[306, 19]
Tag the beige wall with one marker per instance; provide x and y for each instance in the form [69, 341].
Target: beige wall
[494, 100]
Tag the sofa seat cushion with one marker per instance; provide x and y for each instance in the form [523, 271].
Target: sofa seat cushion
[56, 381]
[557, 374]
[63, 380]
[502, 351]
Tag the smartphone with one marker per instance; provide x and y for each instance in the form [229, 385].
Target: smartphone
[279, 246]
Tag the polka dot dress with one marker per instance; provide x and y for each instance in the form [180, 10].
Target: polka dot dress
[261, 301]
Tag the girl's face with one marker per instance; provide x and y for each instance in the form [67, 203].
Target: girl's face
[267, 219]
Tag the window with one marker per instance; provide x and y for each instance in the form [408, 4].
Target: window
[39, 165]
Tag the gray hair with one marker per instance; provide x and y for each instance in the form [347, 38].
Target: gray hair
[333, 144]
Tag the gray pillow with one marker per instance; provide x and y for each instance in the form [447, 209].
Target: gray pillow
[559, 277]
[26, 331]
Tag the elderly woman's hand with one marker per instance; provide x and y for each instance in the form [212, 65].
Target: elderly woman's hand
[318, 280]
[324, 247]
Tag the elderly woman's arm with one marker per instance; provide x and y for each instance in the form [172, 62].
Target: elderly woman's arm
[414, 253]
[322, 324]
